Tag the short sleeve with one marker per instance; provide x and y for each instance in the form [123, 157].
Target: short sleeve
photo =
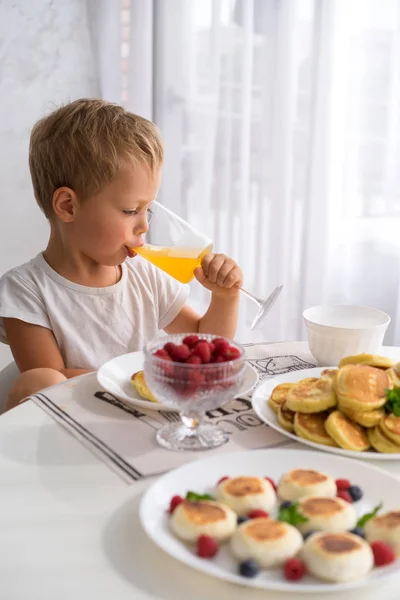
[20, 300]
[172, 296]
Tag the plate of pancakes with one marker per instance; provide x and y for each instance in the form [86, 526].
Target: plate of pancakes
[342, 410]
[239, 501]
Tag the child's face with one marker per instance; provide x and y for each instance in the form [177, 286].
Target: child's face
[108, 224]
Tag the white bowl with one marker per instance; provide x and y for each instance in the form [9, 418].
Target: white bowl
[342, 330]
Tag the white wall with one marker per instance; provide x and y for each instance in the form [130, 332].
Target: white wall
[45, 59]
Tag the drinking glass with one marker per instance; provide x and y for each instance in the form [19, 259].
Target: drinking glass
[177, 248]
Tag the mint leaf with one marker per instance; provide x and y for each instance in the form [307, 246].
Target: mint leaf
[365, 518]
[291, 515]
[393, 402]
[196, 497]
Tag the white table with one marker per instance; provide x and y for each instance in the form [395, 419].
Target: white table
[69, 527]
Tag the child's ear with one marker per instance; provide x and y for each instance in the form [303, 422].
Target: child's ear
[65, 204]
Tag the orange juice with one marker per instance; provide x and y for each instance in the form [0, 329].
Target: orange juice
[178, 262]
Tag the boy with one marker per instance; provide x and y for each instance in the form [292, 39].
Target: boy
[95, 170]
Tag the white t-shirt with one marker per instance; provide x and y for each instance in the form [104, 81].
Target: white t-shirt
[92, 325]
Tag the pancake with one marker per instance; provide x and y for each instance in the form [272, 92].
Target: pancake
[286, 418]
[361, 388]
[268, 542]
[312, 396]
[243, 494]
[380, 442]
[385, 528]
[330, 373]
[368, 418]
[390, 426]
[373, 360]
[298, 483]
[327, 514]
[312, 427]
[279, 395]
[394, 375]
[337, 556]
[347, 435]
[308, 380]
[191, 519]
[139, 383]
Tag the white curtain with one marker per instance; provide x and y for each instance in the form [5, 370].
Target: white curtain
[281, 120]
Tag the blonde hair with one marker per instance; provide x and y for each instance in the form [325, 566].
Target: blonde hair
[84, 144]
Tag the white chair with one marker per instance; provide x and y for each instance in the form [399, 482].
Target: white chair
[7, 377]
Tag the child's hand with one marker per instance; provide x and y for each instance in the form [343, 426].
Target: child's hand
[220, 274]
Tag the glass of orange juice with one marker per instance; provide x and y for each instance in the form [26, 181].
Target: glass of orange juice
[177, 248]
[173, 245]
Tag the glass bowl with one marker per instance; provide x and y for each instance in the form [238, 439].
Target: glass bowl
[192, 389]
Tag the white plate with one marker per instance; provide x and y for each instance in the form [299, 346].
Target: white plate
[266, 414]
[115, 377]
[201, 476]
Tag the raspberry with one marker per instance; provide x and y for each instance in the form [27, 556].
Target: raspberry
[220, 344]
[212, 347]
[342, 484]
[272, 482]
[169, 347]
[206, 546]
[191, 340]
[222, 479]
[194, 372]
[294, 569]
[180, 353]
[220, 359]
[193, 360]
[195, 376]
[186, 381]
[162, 353]
[202, 350]
[167, 367]
[344, 495]
[168, 373]
[175, 501]
[257, 513]
[189, 390]
[231, 353]
[383, 554]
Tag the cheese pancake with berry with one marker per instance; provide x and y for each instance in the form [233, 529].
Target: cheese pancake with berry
[298, 483]
[268, 542]
[337, 557]
[244, 494]
[192, 519]
[326, 514]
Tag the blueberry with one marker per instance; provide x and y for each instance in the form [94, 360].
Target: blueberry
[249, 568]
[358, 531]
[308, 533]
[241, 520]
[286, 504]
[355, 493]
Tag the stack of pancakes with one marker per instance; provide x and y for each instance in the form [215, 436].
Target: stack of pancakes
[344, 407]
